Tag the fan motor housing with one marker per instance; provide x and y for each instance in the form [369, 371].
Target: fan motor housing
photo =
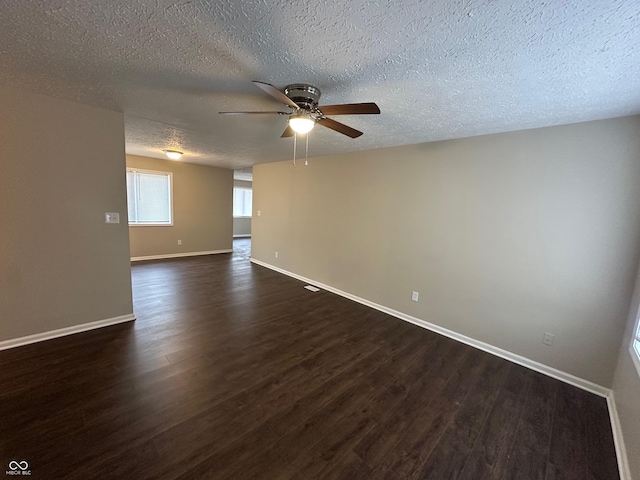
[306, 96]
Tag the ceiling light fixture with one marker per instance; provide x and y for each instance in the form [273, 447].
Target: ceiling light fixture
[173, 154]
[301, 123]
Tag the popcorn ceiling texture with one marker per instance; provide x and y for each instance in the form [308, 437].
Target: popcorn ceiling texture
[438, 69]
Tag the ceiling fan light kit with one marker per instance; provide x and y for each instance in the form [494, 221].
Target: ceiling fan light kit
[301, 124]
[303, 100]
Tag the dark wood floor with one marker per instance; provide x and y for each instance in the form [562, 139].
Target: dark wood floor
[233, 371]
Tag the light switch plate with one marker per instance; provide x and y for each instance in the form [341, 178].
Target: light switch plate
[112, 217]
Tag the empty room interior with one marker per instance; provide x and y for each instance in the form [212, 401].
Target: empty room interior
[339, 240]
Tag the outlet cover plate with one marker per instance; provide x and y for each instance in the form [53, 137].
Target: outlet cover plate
[111, 217]
[547, 338]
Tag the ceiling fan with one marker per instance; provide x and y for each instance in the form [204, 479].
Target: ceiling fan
[302, 99]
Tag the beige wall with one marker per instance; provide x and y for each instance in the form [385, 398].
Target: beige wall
[626, 389]
[505, 236]
[202, 210]
[242, 226]
[61, 169]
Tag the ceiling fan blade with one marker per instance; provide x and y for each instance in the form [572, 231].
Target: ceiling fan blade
[288, 132]
[275, 93]
[350, 109]
[339, 127]
[253, 113]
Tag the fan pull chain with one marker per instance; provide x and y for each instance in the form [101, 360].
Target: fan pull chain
[295, 138]
[306, 152]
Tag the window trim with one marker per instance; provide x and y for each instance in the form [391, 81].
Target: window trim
[170, 175]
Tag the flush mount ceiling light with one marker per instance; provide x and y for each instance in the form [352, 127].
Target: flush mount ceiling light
[301, 123]
[173, 154]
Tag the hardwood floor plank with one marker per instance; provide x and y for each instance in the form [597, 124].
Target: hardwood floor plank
[417, 444]
[568, 454]
[525, 464]
[553, 472]
[490, 455]
[599, 441]
[450, 455]
[295, 445]
[528, 457]
[329, 451]
[349, 467]
[378, 443]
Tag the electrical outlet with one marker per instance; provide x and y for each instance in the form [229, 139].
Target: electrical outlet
[179, 242]
[547, 338]
[276, 254]
[259, 213]
[414, 296]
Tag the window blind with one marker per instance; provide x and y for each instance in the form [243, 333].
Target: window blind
[242, 200]
[149, 197]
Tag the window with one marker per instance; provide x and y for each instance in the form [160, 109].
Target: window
[242, 198]
[635, 348]
[149, 197]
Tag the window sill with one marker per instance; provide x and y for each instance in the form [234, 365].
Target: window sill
[151, 224]
[242, 217]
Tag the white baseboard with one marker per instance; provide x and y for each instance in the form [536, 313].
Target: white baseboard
[176, 255]
[242, 235]
[61, 332]
[499, 352]
[618, 440]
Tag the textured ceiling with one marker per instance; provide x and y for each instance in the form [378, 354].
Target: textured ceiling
[438, 69]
